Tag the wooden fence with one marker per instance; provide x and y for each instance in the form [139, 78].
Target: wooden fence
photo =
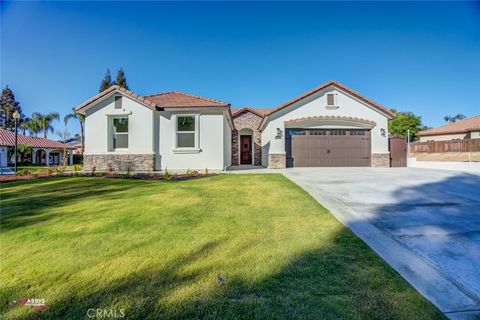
[466, 145]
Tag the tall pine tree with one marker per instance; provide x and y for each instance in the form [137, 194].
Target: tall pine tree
[121, 79]
[8, 105]
[106, 82]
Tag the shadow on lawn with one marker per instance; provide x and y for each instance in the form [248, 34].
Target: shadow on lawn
[342, 280]
[25, 208]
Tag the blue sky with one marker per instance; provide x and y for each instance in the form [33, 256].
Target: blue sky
[421, 57]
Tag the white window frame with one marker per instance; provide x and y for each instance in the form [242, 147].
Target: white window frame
[194, 149]
[112, 133]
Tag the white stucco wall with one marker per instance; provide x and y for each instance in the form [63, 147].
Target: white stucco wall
[140, 127]
[314, 105]
[444, 137]
[227, 144]
[211, 142]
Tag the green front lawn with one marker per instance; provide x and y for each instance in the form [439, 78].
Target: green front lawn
[156, 248]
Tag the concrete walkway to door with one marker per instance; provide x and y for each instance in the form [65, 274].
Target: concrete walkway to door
[424, 223]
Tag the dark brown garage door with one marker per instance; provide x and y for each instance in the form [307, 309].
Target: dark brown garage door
[328, 148]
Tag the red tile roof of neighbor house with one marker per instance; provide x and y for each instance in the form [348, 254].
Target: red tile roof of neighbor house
[467, 125]
[340, 86]
[173, 99]
[7, 138]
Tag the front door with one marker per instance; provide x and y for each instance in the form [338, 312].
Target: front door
[245, 149]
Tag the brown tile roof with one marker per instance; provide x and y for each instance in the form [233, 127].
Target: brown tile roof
[467, 125]
[258, 111]
[129, 93]
[7, 138]
[176, 99]
[340, 86]
[172, 99]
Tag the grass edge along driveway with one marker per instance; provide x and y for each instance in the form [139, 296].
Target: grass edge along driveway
[155, 249]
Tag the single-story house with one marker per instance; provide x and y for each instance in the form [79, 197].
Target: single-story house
[330, 125]
[43, 151]
[459, 130]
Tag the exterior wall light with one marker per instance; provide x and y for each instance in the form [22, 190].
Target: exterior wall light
[279, 134]
[383, 132]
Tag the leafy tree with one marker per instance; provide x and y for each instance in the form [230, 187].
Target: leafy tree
[44, 121]
[456, 118]
[23, 148]
[121, 79]
[8, 105]
[106, 82]
[81, 120]
[403, 122]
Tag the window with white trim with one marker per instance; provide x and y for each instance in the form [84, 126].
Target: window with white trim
[120, 133]
[186, 131]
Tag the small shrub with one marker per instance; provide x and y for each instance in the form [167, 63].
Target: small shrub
[35, 174]
[150, 173]
[77, 167]
[50, 171]
[206, 171]
[129, 171]
[189, 172]
[59, 170]
[23, 172]
[93, 170]
[167, 174]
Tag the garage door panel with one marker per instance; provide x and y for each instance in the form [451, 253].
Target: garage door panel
[336, 148]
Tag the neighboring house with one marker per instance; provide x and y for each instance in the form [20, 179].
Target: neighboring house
[459, 130]
[44, 151]
[330, 125]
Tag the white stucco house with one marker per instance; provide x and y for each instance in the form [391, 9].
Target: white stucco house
[331, 125]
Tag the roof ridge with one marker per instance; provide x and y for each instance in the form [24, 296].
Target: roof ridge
[340, 86]
[158, 94]
[200, 97]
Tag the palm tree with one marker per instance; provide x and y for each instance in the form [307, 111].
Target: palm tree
[45, 121]
[33, 125]
[81, 120]
[23, 148]
[64, 135]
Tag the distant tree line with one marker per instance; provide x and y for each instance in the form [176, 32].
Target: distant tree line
[107, 82]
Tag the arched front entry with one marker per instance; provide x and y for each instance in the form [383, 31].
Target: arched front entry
[246, 154]
[40, 156]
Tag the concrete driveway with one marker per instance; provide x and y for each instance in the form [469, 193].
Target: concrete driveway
[424, 223]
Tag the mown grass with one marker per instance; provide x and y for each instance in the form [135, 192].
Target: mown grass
[155, 249]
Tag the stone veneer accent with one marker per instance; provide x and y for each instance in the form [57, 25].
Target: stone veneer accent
[247, 120]
[119, 162]
[380, 160]
[277, 161]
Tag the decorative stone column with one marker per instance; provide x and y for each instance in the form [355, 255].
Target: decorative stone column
[380, 160]
[277, 161]
[70, 157]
